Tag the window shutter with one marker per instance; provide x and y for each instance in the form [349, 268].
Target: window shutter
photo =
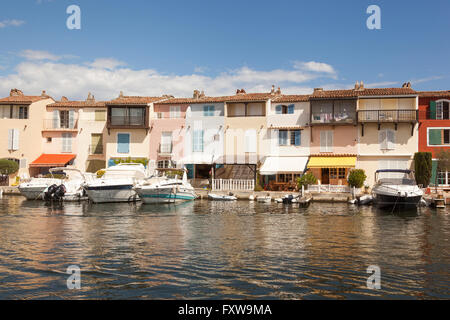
[390, 139]
[291, 109]
[15, 145]
[71, 119]
[123, 143]
[250, 141]
[434, 137]
[23, 163]
[278, 109]
[330, 141]
[298, 140]
[382, 139]
[323, 142]
[55, 119]
[10, 139]
[432, 109]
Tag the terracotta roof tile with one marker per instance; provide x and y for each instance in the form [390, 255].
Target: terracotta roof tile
[352, 93]
[22, 99]
[245, 97]
[292, 98]
[444, 93]
[78, 104]
[130, 100]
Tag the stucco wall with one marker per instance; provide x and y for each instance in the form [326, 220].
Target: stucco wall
[344, 139]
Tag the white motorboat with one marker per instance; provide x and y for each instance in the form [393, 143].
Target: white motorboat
[218, 197]
[34, 188]
[162, 189]
[265, 199]
[116, 184]
[69, 189]
[396, 189]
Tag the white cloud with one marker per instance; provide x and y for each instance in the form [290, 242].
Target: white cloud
[107, 63]
[11, 23]
[315, 67]
[105, 77]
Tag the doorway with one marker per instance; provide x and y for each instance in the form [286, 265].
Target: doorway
[325, 176]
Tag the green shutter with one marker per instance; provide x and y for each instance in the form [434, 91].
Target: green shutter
[432, 109]
[434, 136]
[433, 172]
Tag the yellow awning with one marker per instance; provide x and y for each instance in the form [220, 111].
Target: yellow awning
[332, 162]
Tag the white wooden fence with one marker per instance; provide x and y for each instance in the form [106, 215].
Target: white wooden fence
[233, 184]
[331, 188]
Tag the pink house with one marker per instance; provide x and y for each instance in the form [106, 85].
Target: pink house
[167, 130]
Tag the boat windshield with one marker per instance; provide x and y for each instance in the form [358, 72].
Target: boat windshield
[397, 181]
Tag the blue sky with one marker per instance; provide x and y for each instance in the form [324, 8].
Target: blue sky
[174, 47]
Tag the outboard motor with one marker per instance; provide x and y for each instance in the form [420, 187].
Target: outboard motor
[288, 199]
[55, 193]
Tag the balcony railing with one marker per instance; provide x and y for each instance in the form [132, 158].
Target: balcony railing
[95, 149]
[58, 124]
[330, 118]
[399, 115]
[127, 121]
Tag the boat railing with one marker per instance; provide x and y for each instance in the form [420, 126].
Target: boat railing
[331, 188]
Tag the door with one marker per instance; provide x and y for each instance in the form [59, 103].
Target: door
[325, 176]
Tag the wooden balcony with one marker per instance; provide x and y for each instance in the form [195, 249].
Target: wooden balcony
[328, 118]
[388, 116]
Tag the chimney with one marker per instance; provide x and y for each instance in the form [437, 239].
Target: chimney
[121, 94]
[15, 93]
[273, 90]
[243, 91]
[361, 85]
[279, 91]
[318, 90]
[64, 99]
[356, 85]
[202, 94]
[408, 85]
[44, 94]
[196, 94]
[90, 97]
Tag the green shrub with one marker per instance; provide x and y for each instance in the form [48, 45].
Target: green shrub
[143, 161]
[356, 178]
[8, 167]
[423, 167]
[306, 179]
[100, 173]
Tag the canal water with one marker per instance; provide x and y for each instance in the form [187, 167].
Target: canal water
[221, 250]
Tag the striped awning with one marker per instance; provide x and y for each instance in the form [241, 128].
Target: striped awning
[332, 162]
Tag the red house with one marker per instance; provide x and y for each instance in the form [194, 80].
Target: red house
[434, 128]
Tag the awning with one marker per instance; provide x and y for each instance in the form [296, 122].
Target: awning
[274, 165]
[52, 160]
[332, 162]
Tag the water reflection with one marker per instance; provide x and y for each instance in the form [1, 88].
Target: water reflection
[225, 250]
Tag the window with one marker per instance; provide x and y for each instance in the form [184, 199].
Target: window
[164, 164]
[128, 116]
[96, 143]
[123, 143]
[159, 115]
[23, 112]
[295, 138]
[446, 136]
[333, 173]
[100, 115]
[387, 139]
[64, 119]
[208, 111]
[442, 110]
[392, 164]
[13, 139]
[175, 112]
[341, 172]
[326, 141]
[282, 137]
[166, 142]
[66, 142]
[434, 136]
[282, 109]
[197, 141]
[250, 141]
[49, 139]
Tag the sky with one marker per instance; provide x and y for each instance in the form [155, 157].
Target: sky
[151, 48]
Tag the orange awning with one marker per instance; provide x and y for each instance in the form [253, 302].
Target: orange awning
[52, 160]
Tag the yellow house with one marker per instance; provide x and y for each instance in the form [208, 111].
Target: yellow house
[21, 122]
[387, 129]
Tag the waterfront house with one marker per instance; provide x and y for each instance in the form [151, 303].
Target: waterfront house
[21, 122]
[76, 129]
[167, 132]
[333, 144]
[127, 128]
[287, 142]
[387, 129]
[434, 129]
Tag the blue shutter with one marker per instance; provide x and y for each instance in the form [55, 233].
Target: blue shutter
[291, 109]
[190, 169]
[297, 137]
[205, 111]
[123, 143]
[111, 163]
[278, 109]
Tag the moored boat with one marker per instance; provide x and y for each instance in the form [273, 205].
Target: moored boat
[34, 188]
[218, 197]
[396, 189]
[70, 189]
[116, 184]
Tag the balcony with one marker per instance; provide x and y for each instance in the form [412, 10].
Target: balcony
[393, 116]
[328, 118]
[127, 118]
[59, 125]
[95, 149]
[165, 149]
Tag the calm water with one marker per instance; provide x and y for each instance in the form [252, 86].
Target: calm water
[220, 250]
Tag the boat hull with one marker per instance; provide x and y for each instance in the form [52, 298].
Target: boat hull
[32, 193]
[116, 193]
[399, 202]
[164, 195]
